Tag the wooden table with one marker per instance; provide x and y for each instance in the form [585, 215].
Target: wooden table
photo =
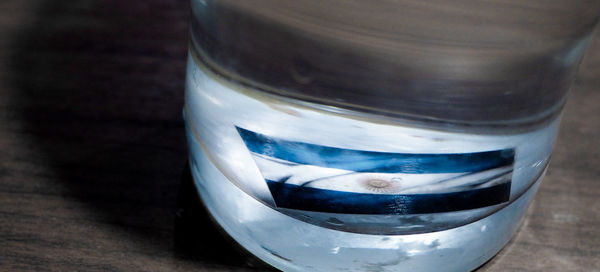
[92, 150]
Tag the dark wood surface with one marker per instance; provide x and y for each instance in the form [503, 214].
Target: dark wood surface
[92, 150]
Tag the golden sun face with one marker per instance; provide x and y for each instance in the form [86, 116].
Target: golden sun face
[381, 184]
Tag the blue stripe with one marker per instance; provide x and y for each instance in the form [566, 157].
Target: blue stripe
[319, 200]
[370, 161]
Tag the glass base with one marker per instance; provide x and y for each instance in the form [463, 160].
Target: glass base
[292, 245]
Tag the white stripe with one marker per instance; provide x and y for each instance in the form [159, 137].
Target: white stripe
[376, 183]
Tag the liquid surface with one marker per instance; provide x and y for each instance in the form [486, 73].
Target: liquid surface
[233, 185]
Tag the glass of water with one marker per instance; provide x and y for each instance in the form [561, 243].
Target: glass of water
[377, 136]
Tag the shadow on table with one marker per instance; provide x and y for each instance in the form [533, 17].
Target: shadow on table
[100, 91]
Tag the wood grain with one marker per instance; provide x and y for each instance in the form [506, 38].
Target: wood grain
[92, 150]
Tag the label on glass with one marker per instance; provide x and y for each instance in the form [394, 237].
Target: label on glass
[318, 178]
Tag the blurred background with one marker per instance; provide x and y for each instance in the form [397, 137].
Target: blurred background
[92, 150]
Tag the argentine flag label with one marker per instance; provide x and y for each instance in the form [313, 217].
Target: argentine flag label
[316, 179]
